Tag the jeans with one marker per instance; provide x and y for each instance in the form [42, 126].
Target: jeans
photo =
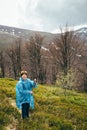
[25, 110]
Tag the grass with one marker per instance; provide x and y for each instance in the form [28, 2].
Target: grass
[53, 110]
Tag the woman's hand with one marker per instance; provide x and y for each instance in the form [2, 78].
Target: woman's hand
[31, 92]
[35, 81]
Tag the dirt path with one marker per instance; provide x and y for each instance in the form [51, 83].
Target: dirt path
[13, 103]
[13, 125]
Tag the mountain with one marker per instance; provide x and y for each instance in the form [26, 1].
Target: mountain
[82, 33]
[13, 33]
[8, 35]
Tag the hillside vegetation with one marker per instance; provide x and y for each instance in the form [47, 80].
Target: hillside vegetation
[53, 110]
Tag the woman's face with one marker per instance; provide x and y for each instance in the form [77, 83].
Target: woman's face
[24, 76]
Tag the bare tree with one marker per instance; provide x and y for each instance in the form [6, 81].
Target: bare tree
[65, 50]
[2, 64]
[34, 54]
[14, 52]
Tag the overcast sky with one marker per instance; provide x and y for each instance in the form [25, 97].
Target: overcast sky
[43, 15]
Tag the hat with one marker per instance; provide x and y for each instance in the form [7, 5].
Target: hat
[23, 72]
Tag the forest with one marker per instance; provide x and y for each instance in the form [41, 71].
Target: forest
[62, 62]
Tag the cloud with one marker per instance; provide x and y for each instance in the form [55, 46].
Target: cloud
[56, 13]
[8, 12]
[49, 15]
[28, 16]
[42, 15]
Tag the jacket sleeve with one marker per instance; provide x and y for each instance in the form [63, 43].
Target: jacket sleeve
[33, 84]
[18, 98]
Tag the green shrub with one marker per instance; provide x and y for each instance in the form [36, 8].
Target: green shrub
[67, 126]
[4, 119]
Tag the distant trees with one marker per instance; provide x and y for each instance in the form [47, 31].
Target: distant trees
[46, 66]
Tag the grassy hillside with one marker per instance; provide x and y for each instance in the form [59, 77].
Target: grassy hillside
[53, 110]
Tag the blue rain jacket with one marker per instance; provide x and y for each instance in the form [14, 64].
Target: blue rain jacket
[23, 95]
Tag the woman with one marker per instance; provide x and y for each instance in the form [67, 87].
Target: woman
[24, 94]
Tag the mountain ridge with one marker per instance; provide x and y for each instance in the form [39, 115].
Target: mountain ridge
[9, 34]
[24, 33]
[20, 31]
